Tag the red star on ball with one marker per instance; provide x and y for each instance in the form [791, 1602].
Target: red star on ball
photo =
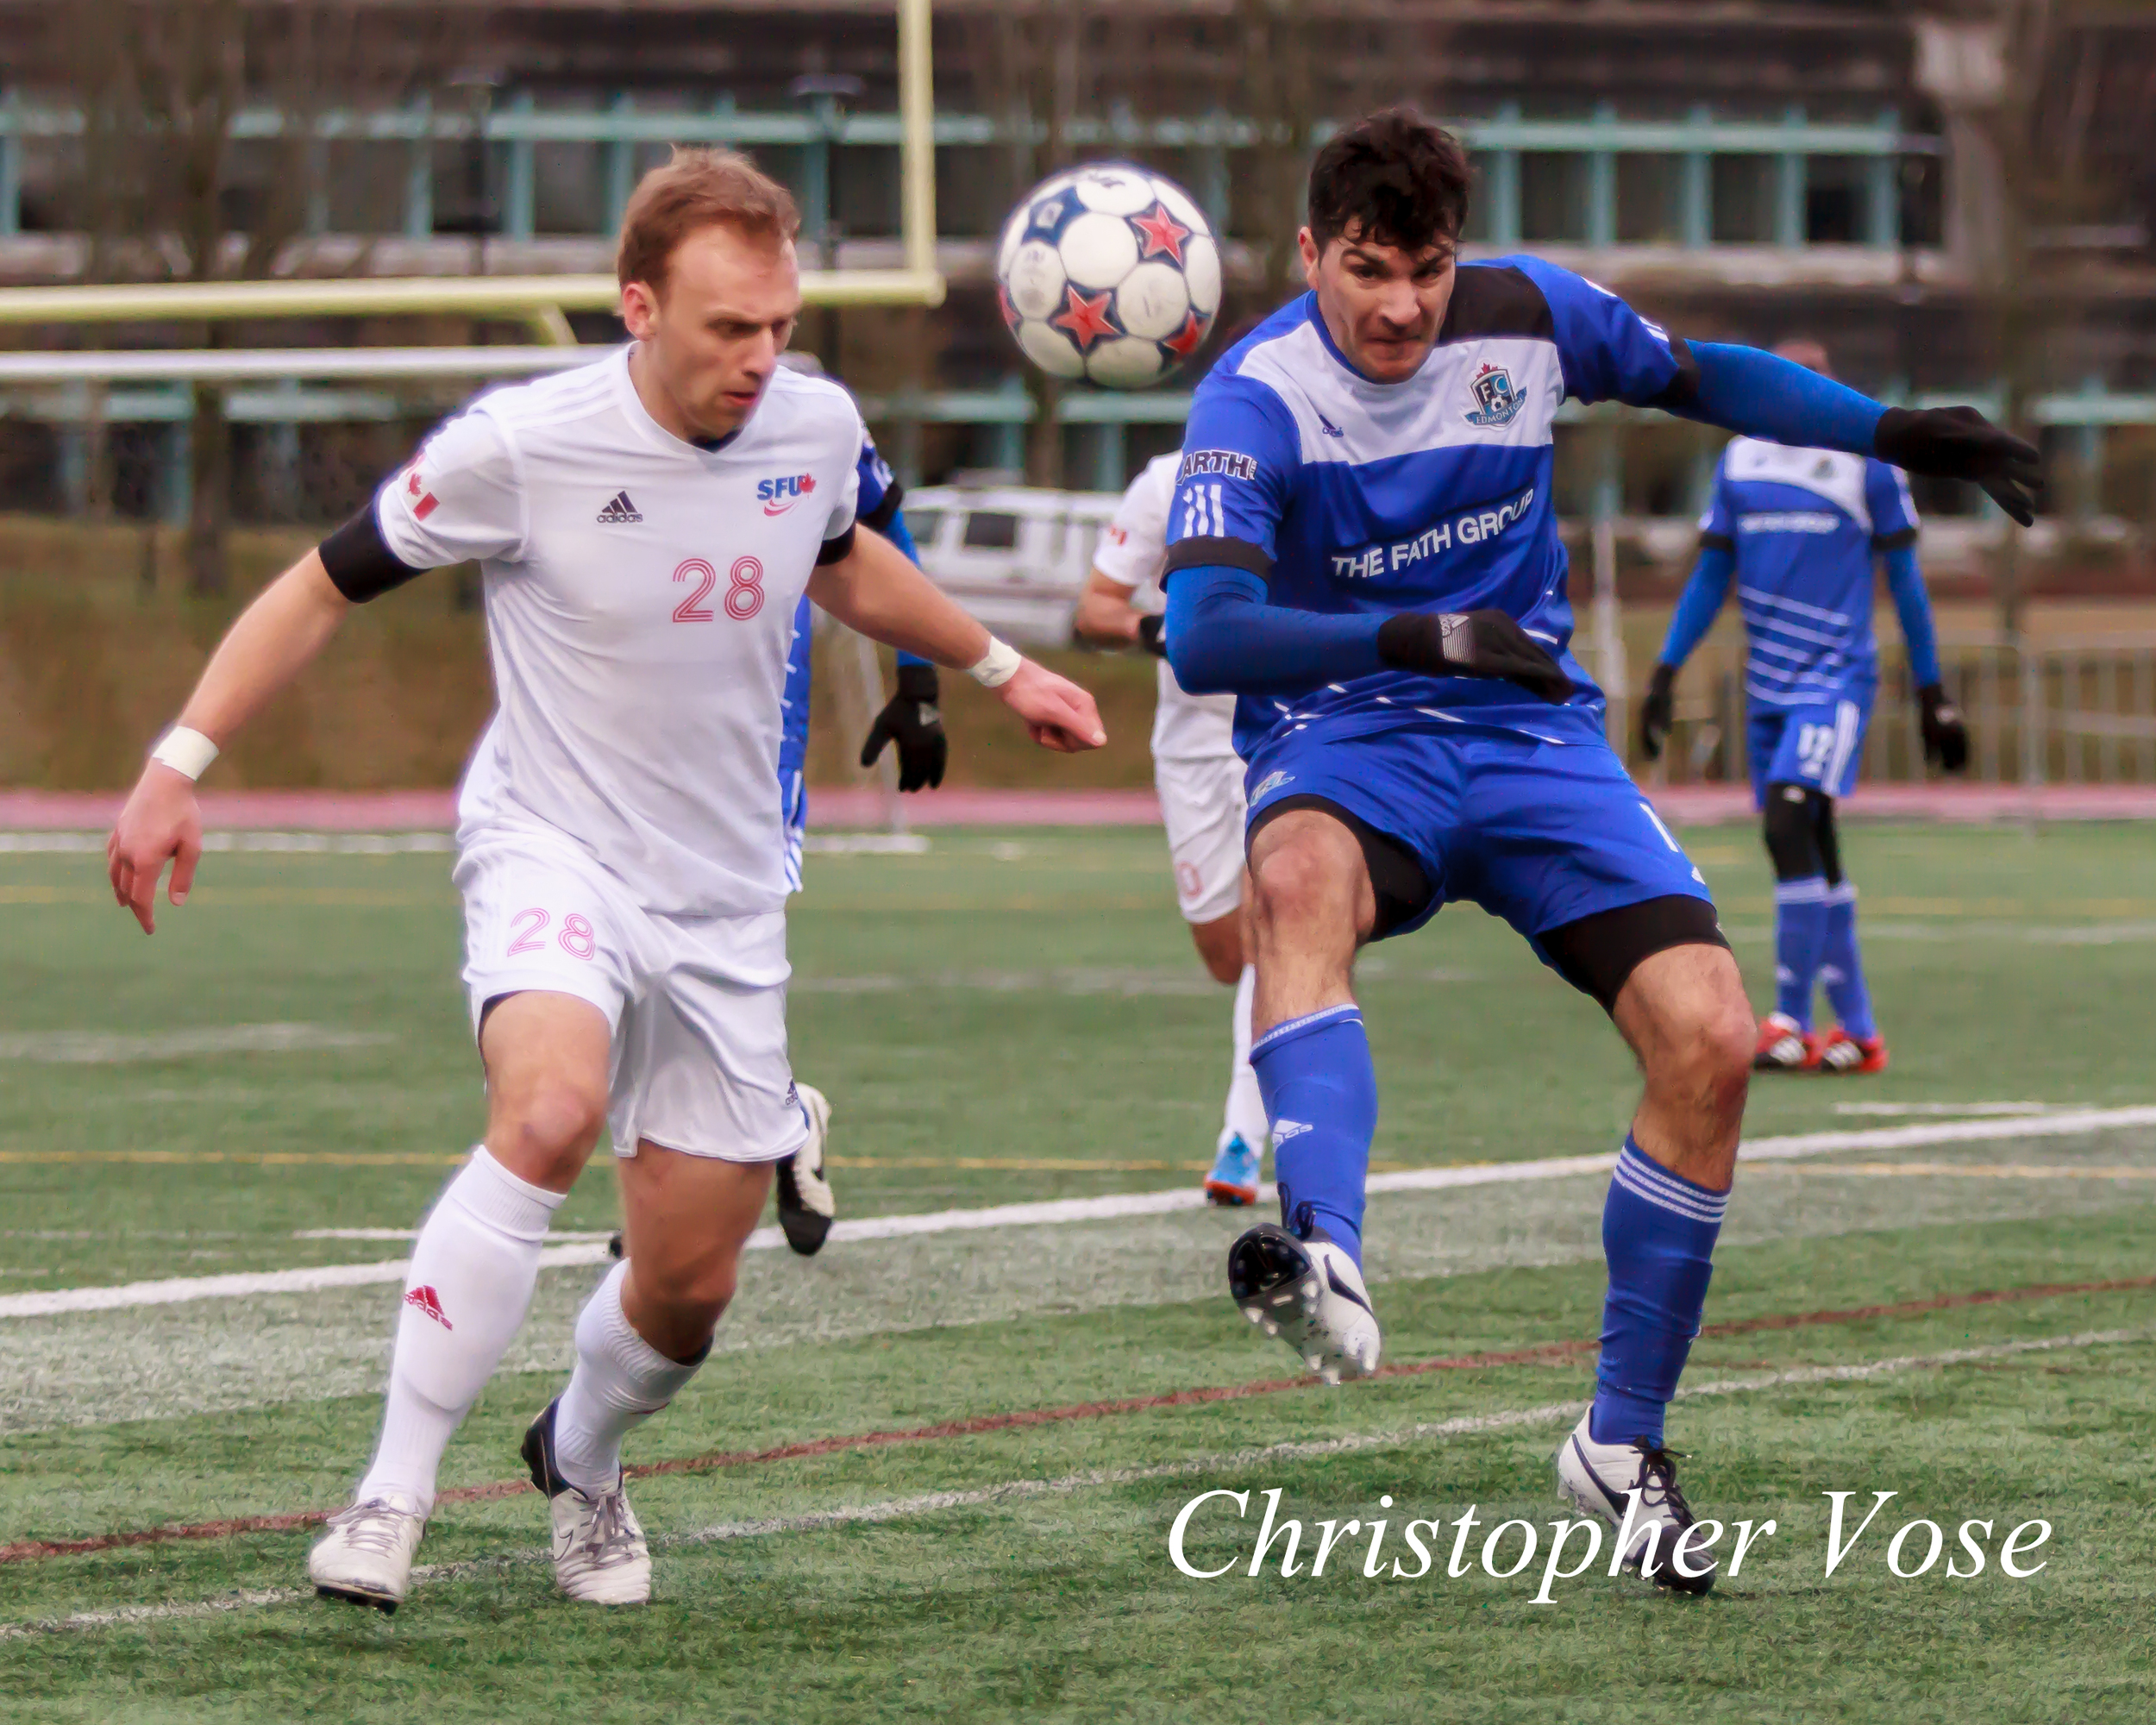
[1085, 320]
[1010, 311]
[1186, 341]
[1160, 234]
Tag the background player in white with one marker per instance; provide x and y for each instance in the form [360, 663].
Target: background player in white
[646, 526]
[1199, 778]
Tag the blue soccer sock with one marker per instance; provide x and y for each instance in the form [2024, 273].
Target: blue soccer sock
[1320, 1093]
[1841, 966]
[1658, 1233]
[1800, 935]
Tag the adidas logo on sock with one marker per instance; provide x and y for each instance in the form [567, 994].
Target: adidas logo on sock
[1284, 1130]
[430, 1303]
[620, 509]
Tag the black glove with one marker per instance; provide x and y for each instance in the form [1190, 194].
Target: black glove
[911, 720]
[1152, 636]
[1945, 737]
[1482, 643]
[1657, 712]
[1960, 444]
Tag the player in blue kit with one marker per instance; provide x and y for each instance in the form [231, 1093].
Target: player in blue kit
[1363, 548]
[913, 722]
[1798, 531]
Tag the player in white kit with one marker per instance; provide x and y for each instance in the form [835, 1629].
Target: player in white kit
[646, 526]
[1200, 784]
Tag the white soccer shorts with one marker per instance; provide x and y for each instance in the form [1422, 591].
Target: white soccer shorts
[696, 1004]
[1201, 806]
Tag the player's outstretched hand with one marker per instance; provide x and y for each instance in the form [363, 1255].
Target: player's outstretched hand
[161, 824]
[1057, 713]
[1657, 712]
[1945, 737]
[1960, 444]
[914, 721]
[1480, 644]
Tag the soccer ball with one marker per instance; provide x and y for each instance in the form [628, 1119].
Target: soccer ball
[1108, 272]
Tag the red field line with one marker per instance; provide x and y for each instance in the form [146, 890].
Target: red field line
[23, 1550]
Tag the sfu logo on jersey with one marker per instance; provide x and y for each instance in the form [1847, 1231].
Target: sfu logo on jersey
[778, 496]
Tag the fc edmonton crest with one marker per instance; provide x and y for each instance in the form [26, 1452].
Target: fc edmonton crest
[1497, 402]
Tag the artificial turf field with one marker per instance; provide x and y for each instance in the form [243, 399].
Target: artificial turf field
[1016, 1018]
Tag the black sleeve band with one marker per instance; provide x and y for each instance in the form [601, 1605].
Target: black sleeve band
[881, 518]
[837, 550]
[360, 564]
[1894, 541]
[1230, 553]
[1683, 390]
[1716, 541]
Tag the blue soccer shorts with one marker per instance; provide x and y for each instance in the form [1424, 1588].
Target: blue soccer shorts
[1819, 747]
[1539, 831]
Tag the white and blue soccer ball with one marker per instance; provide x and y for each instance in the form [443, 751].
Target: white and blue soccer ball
[1108, 272]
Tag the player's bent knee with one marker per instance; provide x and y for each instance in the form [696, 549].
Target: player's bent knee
[548, 1131]
[1297, 884]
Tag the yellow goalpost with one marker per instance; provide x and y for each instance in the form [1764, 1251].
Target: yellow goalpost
[539, 302]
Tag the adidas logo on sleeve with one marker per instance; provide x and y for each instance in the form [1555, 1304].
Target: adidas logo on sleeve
[619, 510]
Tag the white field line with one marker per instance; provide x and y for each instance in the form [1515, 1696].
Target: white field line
[111, 1048]
[334, 843]
[1957, 1110]
[176, 1290]
[1014, 1490]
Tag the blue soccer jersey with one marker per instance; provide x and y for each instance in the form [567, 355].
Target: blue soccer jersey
[879, 509]
[1432, 494]
[1805, 527]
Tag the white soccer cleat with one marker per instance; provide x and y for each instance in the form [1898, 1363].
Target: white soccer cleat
[366, 1556]
[807, 1206]
[1599, 1478]
[1310, 1295]
[600, 1556]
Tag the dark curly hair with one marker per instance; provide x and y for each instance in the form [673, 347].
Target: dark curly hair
[1396, 178]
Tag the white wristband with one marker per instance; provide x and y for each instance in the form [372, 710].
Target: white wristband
[185, 751]
[997, 666]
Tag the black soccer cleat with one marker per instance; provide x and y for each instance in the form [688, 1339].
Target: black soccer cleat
[1308, 1293]
[807, 1206]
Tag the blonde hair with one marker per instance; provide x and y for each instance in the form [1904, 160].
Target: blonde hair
[698, 189]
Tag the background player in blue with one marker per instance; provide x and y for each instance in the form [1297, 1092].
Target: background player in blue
[1363, 548]
[910, 720]
[1799, 530]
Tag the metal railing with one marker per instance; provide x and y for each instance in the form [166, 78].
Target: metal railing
[2052, 710]
[618, 130]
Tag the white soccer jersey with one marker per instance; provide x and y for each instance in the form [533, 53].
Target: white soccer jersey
[640, 599]
[1186, 727]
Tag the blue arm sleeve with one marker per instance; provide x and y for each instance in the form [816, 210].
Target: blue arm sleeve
[898, 534]
[1699, 603]
[1746, 389]
[1223, 636]
[1906, 582]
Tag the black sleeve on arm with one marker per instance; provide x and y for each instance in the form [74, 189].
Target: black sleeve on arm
[880, 517]
[1683, 390]
[1219, 553]
[1889, 541]
[837, 550]
[1716, 541]
[360, 564]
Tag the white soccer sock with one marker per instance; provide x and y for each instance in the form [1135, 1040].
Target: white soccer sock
[1245, 1113]
[620, 1381]
[472, 1270]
